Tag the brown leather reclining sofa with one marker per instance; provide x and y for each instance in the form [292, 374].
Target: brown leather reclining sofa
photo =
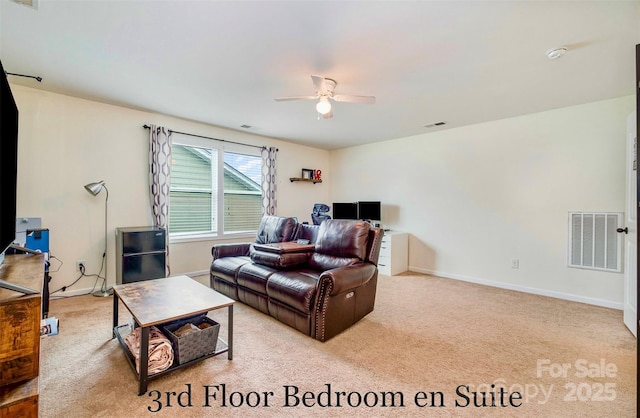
[321, 290]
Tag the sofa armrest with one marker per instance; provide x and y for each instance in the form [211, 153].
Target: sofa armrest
[344, 279]
[345, 295]
[230, 250]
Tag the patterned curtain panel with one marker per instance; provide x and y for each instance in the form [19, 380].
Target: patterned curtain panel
[269, 180]
[160, 179]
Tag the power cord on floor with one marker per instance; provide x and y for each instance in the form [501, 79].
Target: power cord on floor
[64, 288]
[82, 274]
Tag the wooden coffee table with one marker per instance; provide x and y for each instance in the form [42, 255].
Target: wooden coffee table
[159, 301]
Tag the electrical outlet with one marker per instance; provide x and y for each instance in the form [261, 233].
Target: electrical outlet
[80, 265]
[515, 263]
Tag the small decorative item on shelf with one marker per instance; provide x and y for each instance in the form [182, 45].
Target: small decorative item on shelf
[307, 174]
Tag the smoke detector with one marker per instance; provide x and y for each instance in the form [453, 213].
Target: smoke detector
[556, 53]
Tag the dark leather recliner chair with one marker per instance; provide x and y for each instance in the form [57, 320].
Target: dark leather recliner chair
[320, 292]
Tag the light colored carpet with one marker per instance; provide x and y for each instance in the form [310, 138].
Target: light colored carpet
[426, 335]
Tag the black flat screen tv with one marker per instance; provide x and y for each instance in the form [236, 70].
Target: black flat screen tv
[8, 163]
[369, 211]
[345, 211]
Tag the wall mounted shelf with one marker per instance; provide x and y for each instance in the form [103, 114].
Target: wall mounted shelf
[314, 181]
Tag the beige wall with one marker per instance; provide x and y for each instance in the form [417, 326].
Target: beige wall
[66, 142]
[476, 197]
[472, 198]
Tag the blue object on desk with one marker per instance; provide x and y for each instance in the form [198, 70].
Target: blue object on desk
[38, 239]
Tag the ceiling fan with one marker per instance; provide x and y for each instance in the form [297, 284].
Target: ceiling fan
[325, 92]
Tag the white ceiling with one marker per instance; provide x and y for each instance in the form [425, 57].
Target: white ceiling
[223, 63]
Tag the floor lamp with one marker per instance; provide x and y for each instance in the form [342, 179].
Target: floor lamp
[94, 189]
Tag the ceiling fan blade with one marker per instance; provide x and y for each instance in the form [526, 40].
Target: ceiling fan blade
[320, 84]
[354, 99]
[282, 99]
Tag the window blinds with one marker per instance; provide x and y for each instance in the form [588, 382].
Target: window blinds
[196, 189]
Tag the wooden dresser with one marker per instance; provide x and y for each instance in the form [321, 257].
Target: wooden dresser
[20, 336]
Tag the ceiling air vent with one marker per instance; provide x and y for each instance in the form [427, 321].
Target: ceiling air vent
[433, 125]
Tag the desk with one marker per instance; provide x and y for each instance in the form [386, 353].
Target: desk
[394, 253]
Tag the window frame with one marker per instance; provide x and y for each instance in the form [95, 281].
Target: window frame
[217, 188]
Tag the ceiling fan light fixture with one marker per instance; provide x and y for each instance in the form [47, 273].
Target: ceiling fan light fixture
[323, 107]
[324, 95]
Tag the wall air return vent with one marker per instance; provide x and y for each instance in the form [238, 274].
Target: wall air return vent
[594, 242]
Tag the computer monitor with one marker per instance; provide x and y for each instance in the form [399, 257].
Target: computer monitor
[369, 211]
[345, 211]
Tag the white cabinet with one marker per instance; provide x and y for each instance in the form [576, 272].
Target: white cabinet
[394, 253]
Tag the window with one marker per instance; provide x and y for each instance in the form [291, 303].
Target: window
[215, 189]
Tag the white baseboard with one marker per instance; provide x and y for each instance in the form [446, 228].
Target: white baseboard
[525, 289]
[75, 292]
[89, 290]
[193, 274]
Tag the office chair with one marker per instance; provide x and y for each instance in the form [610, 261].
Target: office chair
[319, 213]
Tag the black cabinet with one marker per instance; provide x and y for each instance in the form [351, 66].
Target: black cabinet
[141, 254]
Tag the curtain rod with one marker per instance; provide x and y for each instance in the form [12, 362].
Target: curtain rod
[27, 76]
[208, 137]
